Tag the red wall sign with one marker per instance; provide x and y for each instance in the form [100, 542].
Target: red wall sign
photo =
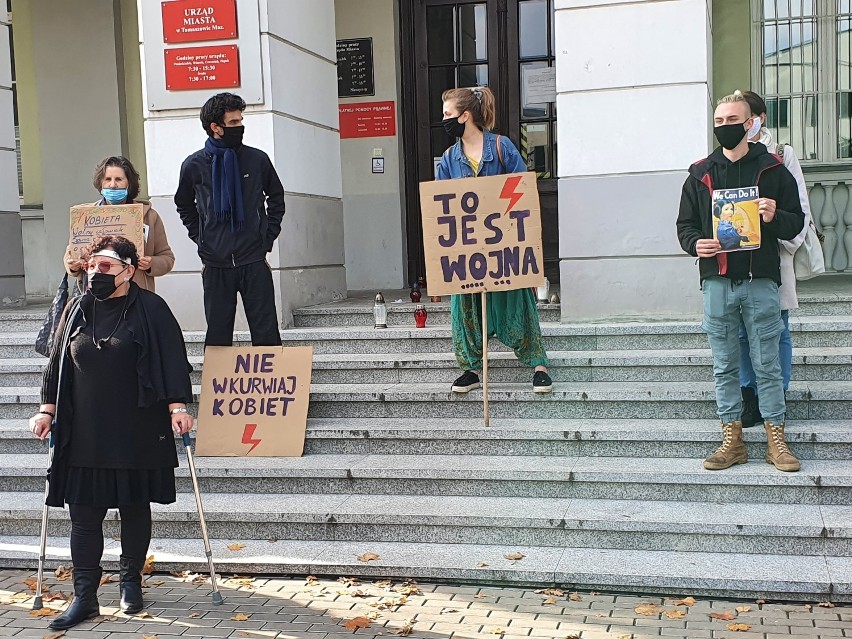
[202, 68]
[367, 120]
[197, 20]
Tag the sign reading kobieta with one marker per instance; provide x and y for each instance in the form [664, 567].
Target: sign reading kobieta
[254, 401]
[482, 234]
[88, 221]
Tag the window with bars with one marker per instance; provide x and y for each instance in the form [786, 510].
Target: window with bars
[804, 72]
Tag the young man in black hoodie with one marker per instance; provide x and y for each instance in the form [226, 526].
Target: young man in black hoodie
[742, 283]
[231, 202]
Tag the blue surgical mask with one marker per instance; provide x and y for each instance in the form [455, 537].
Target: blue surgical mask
[115, 196]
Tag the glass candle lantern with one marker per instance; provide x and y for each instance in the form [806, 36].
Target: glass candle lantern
[420, 316]
[380, 312]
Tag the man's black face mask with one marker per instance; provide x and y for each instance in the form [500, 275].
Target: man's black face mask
[730, 135]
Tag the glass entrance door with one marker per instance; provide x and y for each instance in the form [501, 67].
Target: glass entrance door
[503, 44]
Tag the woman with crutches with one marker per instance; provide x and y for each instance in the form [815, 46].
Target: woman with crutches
[123, 392]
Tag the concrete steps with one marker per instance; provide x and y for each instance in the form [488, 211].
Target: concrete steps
[741, 575]
[693, 439]
[509, 521]
[599, 484]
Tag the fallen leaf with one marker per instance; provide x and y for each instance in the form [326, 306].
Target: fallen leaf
[392, 602]
[43, 612]
[356, 623]
[383, 583]
[311, 579]
[648, 609]
[549, 601]
[18, 597]
[180, 574]
[409, 588]
[760, 601]
[194, 615]
[479, 595]
[143, 615]
[572, 637]
[152, 584]
[105, 618]
[349, 581]
[555, 592]
[724, 616]
[575, 596]
[107, 578]
[825, 604]
[199, 579]
[738, 627]
[63, 573]
[357, 593]
[743, 608]
[594, 594]
[368, 556]
[236, 547]
[373, 615]
[32, 584]
[240, 617]
[514, 556]
[675, 614]
[689, 602]
[482, 564]
[55, 635]
[149, 636]
[148, 568]
[448, 611]
[57, 596]
[496, 631]
[808, 607]
[406, 630]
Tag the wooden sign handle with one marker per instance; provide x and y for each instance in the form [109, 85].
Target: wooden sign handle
[485, 411]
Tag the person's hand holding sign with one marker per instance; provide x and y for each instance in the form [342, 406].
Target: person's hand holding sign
[766, 208]
[707, 247]
[145, 262]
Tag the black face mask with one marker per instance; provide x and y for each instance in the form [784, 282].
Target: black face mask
[102, 285]
[730, 135]
[453, 127]
[232, 136]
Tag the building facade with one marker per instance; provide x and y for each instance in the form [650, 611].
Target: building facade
[608, 100]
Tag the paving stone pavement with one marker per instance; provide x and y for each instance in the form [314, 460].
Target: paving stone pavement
[310, 608]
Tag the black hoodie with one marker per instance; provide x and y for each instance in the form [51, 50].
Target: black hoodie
[695, 218]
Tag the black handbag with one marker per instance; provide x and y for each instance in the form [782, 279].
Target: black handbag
[47, 334]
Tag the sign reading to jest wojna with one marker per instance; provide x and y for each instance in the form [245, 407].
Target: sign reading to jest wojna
[482, 234]
[89, 221]
[254, 401]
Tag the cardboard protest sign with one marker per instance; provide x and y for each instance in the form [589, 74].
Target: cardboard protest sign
[88, 221]
[482, 234]
[254, 401]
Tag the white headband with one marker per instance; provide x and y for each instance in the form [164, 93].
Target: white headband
[112, 254]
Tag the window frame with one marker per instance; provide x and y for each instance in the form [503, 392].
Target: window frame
[827, 135]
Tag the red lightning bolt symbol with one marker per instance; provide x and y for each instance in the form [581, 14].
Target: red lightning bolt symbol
[248, 436]
[510, 193]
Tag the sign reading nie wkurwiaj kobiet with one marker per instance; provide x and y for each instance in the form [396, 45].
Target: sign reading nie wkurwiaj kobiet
[254, 401]
[482, 234]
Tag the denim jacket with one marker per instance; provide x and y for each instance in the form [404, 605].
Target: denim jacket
[454, 163]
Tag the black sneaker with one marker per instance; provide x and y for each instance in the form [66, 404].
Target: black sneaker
[751, 409]
[466, 383]
[542, 382]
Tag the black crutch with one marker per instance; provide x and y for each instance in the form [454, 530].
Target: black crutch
[217, 596]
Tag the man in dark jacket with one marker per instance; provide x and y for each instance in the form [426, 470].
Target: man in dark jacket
[231, 202]
[742, 284]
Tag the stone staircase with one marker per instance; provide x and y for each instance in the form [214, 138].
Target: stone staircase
[599, 485]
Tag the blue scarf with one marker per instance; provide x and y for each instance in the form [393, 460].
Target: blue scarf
[227, 190]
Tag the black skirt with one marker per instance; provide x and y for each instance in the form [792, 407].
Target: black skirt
[116, 487]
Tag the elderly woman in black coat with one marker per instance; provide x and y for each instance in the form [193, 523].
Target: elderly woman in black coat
[114, 393]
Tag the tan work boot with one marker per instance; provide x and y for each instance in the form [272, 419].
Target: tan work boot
[777, 452]
[732, 451]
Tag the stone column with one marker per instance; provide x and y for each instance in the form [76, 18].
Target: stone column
[297, 127]
[634, 112]
[11, 245]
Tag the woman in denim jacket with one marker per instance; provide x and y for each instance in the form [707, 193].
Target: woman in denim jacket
[469, 115]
